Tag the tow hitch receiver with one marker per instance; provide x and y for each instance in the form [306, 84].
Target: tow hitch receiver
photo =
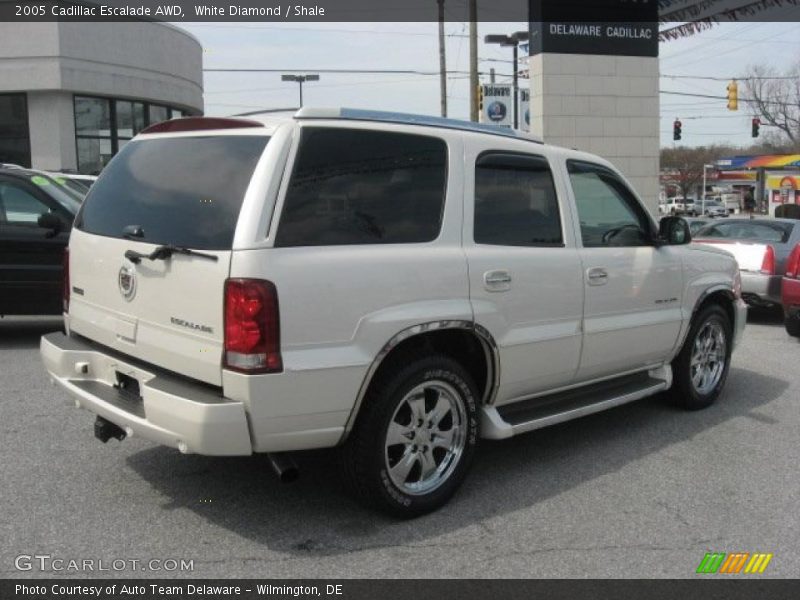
[104, 430]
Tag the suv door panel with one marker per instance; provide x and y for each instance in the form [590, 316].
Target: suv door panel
[30, 260]
[529, 297]
[632, 314]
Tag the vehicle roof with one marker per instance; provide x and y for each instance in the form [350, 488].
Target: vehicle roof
[272, 119]
[19, 172]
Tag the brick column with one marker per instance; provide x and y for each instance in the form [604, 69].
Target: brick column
[607, 105]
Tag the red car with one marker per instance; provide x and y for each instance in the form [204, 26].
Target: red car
[790, 293]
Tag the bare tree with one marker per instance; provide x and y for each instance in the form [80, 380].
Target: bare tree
[775, 99]
[683, 166]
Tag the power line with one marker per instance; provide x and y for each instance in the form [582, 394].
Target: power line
[670, 93]
[351, 71]
[745, 78]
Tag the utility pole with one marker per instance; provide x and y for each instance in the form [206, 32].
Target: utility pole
[473, 60]
[442, 60]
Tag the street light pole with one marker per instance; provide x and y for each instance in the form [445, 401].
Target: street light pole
[703, 201]
[300, 79]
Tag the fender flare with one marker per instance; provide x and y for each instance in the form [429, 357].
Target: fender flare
[713, 289]
[487, 342]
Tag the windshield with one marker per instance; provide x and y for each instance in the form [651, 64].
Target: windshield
[184, 191]
[65, 198]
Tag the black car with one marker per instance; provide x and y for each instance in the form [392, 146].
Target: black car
[36, 216]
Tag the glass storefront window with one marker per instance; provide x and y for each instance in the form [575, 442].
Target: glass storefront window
[158, 113]
[124, 119]
[93, 154]
[92, 116]
[15, 146]
[104, 125]
[139, 119]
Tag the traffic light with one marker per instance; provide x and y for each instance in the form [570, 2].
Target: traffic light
[676, 130]
[733, 95]
[756, 126]
[480, 97]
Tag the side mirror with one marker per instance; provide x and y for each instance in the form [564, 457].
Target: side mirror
[674, 231]
[52, 222]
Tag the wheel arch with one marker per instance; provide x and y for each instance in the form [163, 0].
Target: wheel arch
[464, 341]
[720, 294]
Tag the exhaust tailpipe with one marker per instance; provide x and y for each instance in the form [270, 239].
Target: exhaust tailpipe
[284, 466]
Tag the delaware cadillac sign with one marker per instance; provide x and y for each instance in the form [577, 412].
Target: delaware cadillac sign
[611, 27]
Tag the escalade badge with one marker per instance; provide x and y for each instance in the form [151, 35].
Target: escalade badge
[127, 282]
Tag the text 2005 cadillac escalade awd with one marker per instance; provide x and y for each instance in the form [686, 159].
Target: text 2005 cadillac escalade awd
[395, 286]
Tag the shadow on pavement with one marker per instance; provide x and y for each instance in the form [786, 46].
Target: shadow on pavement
[765, 316]
[19, 333]
[314, 516]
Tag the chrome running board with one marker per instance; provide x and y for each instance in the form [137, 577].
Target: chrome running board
[526, 415]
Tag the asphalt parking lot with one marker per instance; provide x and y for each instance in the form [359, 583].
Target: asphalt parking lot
[644, 490]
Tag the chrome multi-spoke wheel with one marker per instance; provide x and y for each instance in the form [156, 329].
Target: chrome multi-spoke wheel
[709, 354]
[701, 367]
[425, 437]
[415, 437]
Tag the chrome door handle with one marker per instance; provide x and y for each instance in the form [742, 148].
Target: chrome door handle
[597, 276]
[497, 281]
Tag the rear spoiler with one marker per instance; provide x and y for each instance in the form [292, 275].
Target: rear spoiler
[199, 124]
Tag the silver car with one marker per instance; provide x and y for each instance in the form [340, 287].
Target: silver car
[761, 247]
[712, 208]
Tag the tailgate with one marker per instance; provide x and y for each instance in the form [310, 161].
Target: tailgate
[183, 193]
[750, 256]
[174, 316]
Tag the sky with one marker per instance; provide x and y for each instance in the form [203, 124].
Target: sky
[725, 51]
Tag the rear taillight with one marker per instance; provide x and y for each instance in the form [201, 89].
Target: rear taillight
[65, 281]
[252, 327]
[768, 264]
[793, 263]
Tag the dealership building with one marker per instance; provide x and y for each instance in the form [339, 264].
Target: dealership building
[72, 94]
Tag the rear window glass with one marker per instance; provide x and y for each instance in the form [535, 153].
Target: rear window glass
[748, 230]
[353, 186]
[183, 191]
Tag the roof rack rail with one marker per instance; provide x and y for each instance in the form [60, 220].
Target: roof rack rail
[357, 114]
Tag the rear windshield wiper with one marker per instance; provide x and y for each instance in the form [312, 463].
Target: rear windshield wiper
[164, 252]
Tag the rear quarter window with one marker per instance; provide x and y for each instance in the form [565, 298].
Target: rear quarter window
[184, 191]
[354, 186]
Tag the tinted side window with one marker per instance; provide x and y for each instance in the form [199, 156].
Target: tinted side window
[609, 214]
[18, 206]
[515, 201]
[354, 186]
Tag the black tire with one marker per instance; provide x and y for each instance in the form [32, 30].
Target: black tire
[365, 457]
[684, 392]
[792, 325]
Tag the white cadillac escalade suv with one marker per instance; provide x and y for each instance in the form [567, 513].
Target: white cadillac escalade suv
[395, 286]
